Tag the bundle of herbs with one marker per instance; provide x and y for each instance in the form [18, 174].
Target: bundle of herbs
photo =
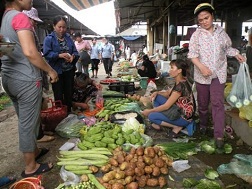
[179, 150]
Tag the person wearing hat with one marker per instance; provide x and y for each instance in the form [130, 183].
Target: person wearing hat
[33, 15]
[84, 88]
[208, 47]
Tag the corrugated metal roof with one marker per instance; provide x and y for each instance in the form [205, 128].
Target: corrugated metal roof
[83, 4]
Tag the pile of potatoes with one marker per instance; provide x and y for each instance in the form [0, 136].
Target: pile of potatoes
[139, 168]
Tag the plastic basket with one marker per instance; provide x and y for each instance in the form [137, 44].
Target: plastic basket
[124, 87]
[51, 117]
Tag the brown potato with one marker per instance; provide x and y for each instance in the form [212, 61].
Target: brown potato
[140, 151]
[148, 169]
[142, 181]
[107, 185]
[128, 179]
[93, 168]
[147, 160]
[131, 165]
[120, 158]
[124, 165]
[150, 152]
[120, 175]
[156, 171]
[129, 157]
[117, 186]
[132, 185]
[105, 168]
[113, 162]
[152, 182]
[140, 164]
[164, 170]
[132, 150]
[162, 181]
[139, 171]
[159, 162]
[129, 172]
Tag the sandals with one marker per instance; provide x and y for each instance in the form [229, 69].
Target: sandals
[43, 151]
[6, 181]
[43, 168]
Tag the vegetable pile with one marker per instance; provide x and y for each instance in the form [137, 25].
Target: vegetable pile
[84, 162]
[106, 134]
[139, 168]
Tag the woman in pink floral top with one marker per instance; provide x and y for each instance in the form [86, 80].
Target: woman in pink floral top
[208, 48]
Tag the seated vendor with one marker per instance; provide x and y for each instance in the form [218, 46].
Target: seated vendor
[84, 88]
[179, 98]
[147, 69]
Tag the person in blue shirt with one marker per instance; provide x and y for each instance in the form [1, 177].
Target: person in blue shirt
[94, 54]
[107, 53]
[60, 52]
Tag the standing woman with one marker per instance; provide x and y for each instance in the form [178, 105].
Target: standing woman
[83, 48]
[60, 52]
[208, 48]
[94, 54]
[21, 74]
[107, 53]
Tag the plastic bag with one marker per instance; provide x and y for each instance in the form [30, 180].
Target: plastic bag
[241, 93]
[69, 127]
[69, 178]
[180, 165]
[150, 87]
[132, 106]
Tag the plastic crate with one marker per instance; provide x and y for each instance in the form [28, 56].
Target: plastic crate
[124, 87]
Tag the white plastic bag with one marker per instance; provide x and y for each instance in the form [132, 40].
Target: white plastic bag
[68, 177]
[241, 93]
[150, 87]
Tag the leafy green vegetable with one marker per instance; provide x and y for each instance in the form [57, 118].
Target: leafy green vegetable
[228, 148]
[211, 174]
[208, 146]
[179, 150]
[208, 184]
[189, 182]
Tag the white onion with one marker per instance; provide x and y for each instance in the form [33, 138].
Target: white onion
[233, 98]
[238, 104]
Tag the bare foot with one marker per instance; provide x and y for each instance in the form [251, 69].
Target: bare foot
[155, 126]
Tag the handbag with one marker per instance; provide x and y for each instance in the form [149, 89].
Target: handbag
[173, 113]
[84, 58]
[52, 116]
[27, 183]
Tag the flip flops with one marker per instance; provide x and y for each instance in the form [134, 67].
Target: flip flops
[43, 168]
[6, 181]
[43, 151]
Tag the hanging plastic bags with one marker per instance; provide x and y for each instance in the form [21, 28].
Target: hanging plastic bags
[241, 93]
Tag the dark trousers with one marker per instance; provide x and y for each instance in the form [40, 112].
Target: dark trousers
[107, 65]
[63, 89]
[95, 63]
